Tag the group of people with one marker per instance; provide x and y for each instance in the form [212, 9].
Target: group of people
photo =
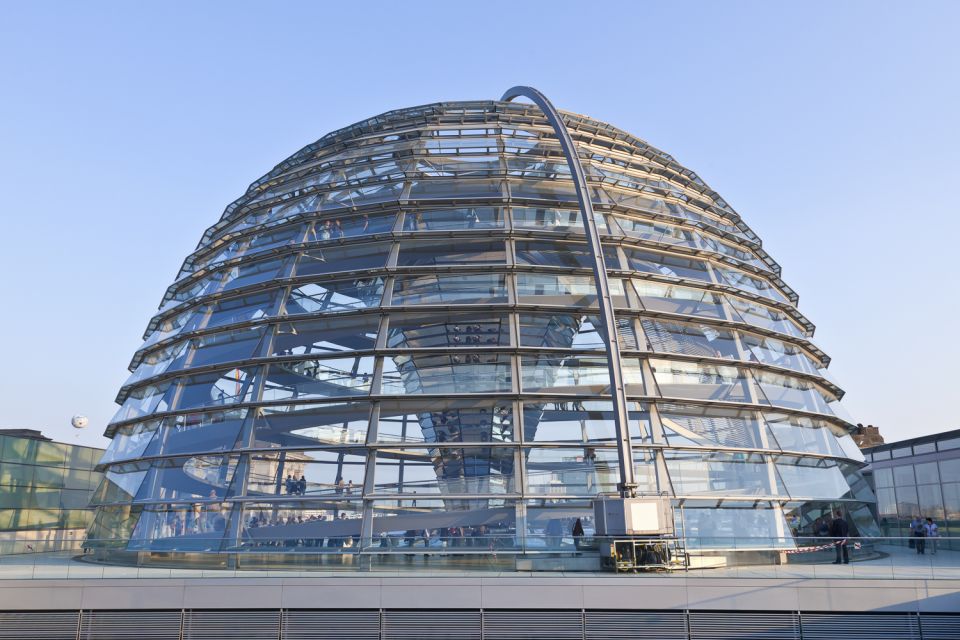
[296, 487]
[920, 531]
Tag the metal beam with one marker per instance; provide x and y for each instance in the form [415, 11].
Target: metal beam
[621, 415]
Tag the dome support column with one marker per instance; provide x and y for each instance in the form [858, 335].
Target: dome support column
[628, 485]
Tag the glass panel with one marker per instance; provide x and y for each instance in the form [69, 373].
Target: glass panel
[668, 265]
[327, 335]
[798, 433]
[196, 478]
[927, 473]
[353, 257]
[462, 218]
[585, 471]
[810, 478]
[555, 254]
[334, 296]
[217, 388]
[145, 400]
[480, 288]
[908, 505]
[479, 524]
[558, 190]
[420, 331]
[903, 475]
[198, 432]
[466, 470]
[657, 232]
[565, 290]
[723, 474]
[577, 374]
[362, 225]
[112, 526]
[566, 220]
[931, 502]
[572, 332]
[700, 381]
[242, 309]
[751, 284]
[694, 425]
[690, 339]
[311, 424]
[273, 238]
[778, 353]
[454, 190]
[307, 379]
[950, 469]
[328, 526]
[227, 346]
[120, 483]
[157, 362]
[468, 373]
[656, 296]
[550, 523]
[445, 252]
[883, 477]
[793, 393]
[130, 441]
[198, 527]
[764, 317]
[589, 421]
[307, 473]
[734, 528]
[249, 273]
[446, 420]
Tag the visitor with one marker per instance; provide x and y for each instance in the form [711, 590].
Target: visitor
[839, 529]
[932, 531]
[577, 533]
[917, 533]
[288, 484]
[302, 485]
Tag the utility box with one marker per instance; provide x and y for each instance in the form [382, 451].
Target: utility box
[650, 516]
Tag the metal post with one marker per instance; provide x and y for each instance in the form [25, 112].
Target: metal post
[621, 415]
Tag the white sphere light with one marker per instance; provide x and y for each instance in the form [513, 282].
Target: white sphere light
[79, 422]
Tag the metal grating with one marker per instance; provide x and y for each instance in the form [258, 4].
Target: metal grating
[130, 625]
[331, 625]
[860, 626]
[635, 625]
[39, 625]
[940, 626]
[229, 625]
[532, 625]
[754, 625]
[432, 625]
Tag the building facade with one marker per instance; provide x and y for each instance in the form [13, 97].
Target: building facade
[914, 478]
[45, 491]
[436, 332]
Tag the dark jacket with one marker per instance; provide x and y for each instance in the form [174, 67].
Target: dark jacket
[839, 528]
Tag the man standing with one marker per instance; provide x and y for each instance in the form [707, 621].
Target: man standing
[839, 529]
[917, 532]
[932, 531]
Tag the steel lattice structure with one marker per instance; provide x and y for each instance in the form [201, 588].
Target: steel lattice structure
[398, 340]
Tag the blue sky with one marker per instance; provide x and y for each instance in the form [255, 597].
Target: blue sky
[126, 128]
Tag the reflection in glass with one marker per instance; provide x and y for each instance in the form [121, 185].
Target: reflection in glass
[438, 374]
[701, 381]
[446, 420]
[446, 289]
[309, 379]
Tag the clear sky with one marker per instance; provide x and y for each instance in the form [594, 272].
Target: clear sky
[127, 127]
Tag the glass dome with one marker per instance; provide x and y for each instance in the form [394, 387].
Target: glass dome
[393, 344]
